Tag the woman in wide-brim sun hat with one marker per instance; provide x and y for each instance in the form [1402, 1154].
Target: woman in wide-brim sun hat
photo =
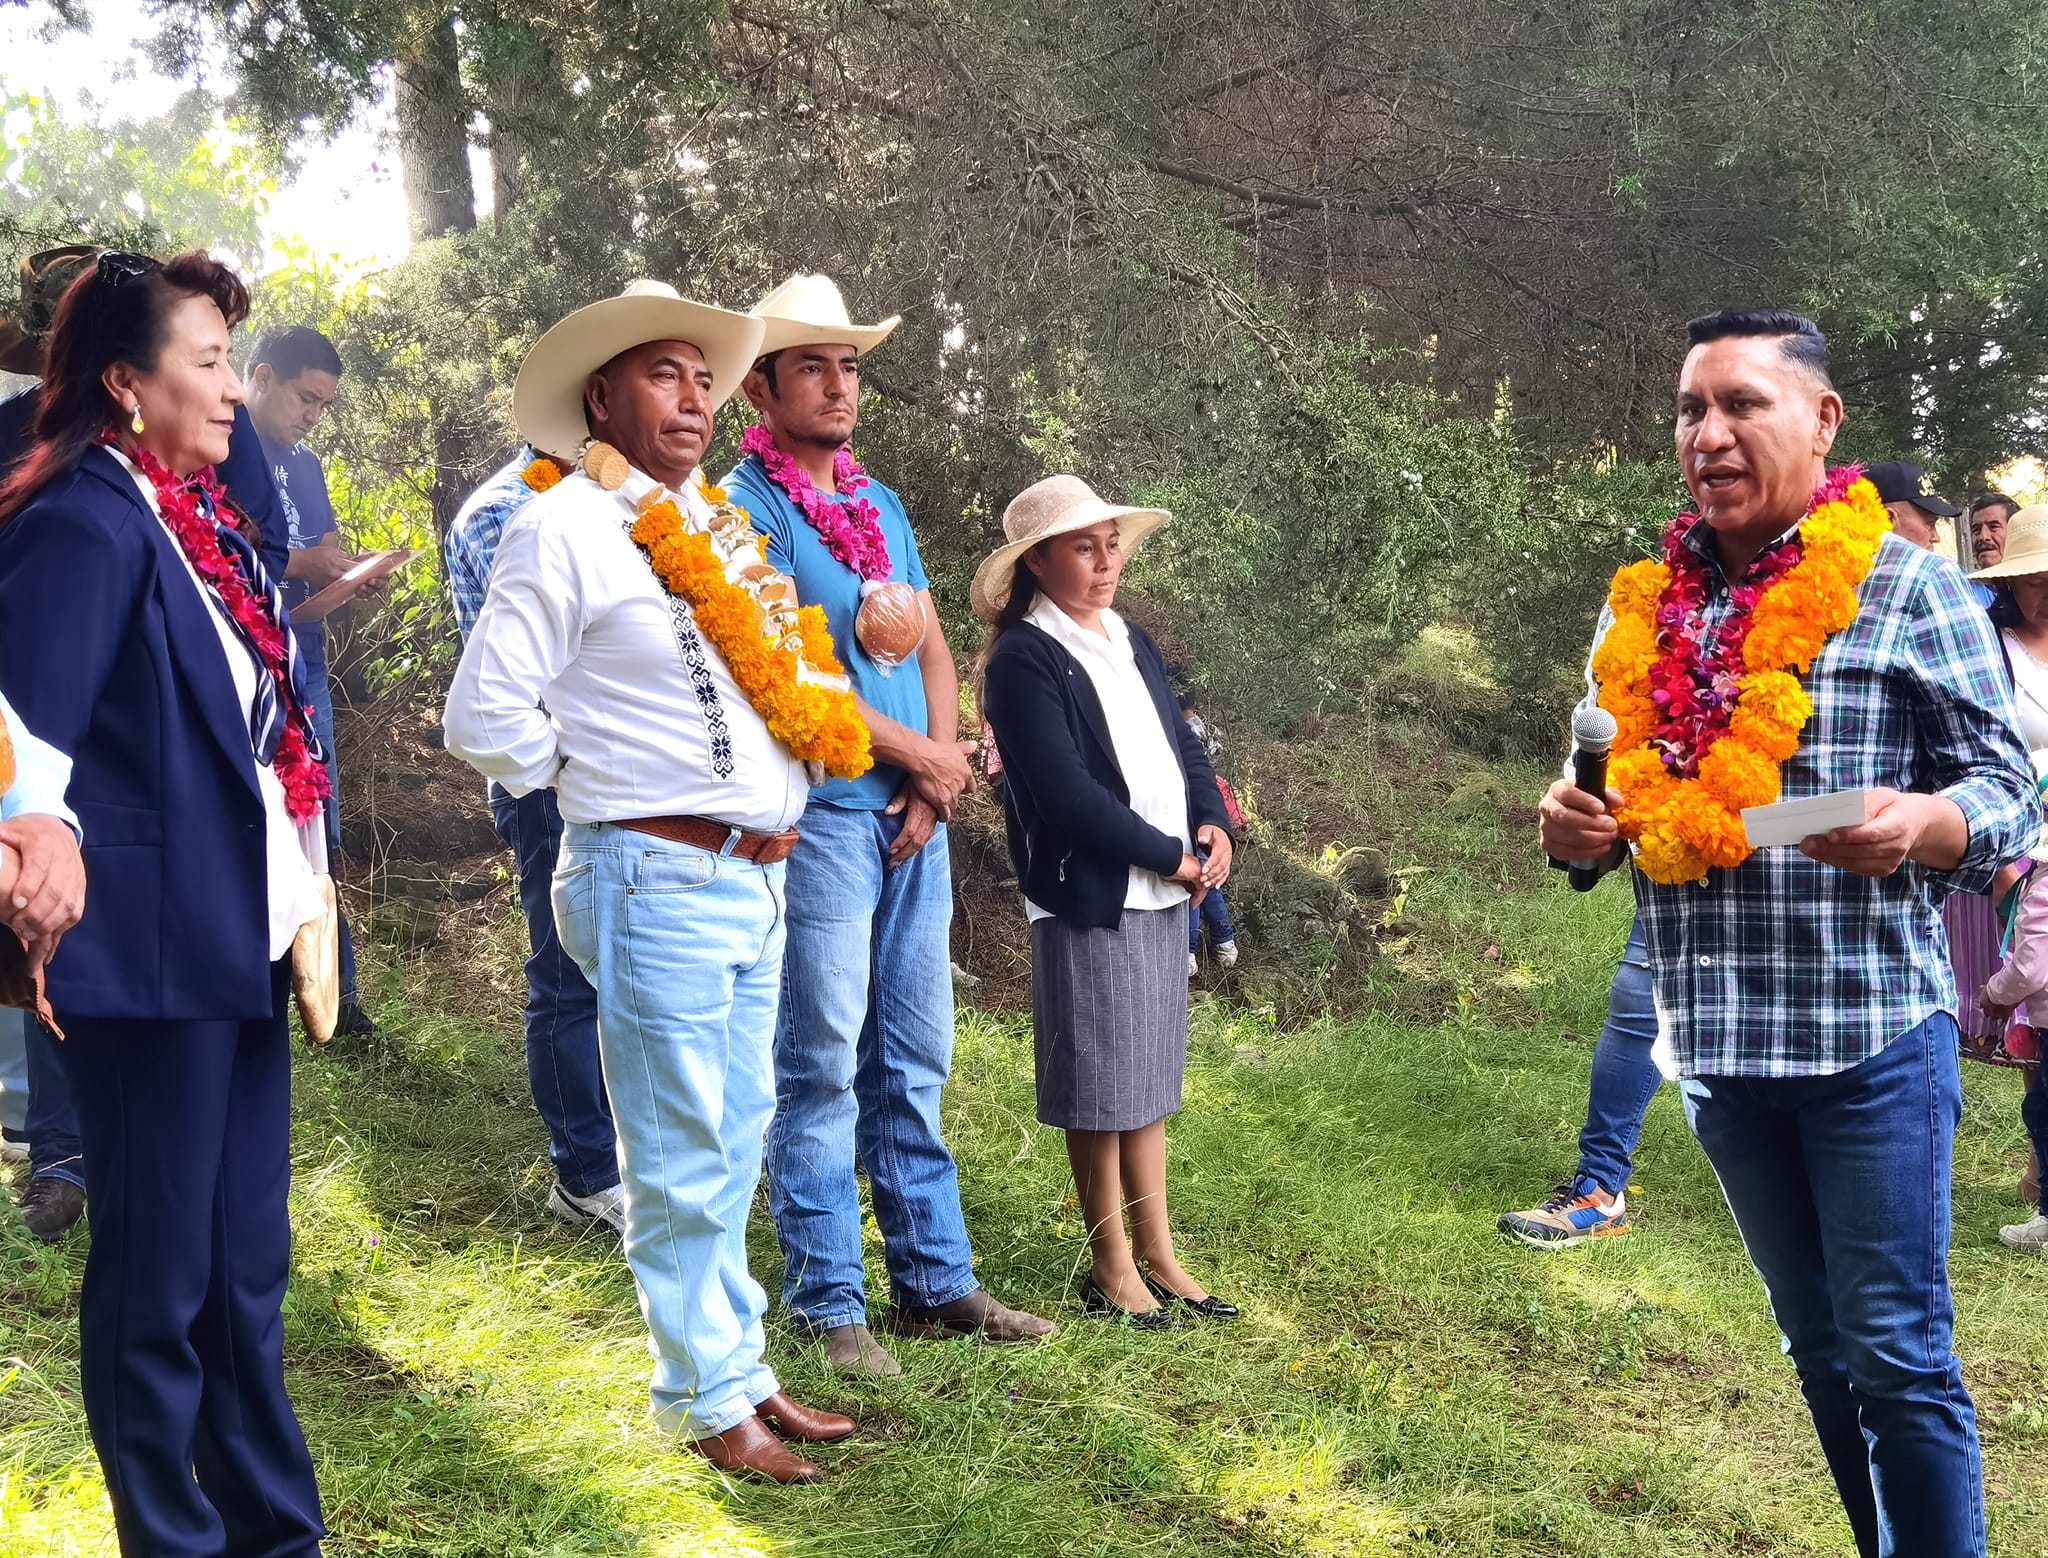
[2019, 581]
[1114, 822]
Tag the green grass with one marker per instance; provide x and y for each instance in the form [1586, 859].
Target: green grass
[472, 1378]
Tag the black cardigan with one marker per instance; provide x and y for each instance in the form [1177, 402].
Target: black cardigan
[1073, 835]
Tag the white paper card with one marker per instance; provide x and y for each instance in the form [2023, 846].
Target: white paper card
[1788, 822]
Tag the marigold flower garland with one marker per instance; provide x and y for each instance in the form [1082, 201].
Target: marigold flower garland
[1707, 714]
[196, 530]
[779, 654]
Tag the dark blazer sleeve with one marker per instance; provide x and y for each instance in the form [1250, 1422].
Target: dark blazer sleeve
[1026, 700]
[67, 591]
[246, 476]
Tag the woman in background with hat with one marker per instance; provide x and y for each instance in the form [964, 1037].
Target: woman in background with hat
[1115, 823]
[2019, 582]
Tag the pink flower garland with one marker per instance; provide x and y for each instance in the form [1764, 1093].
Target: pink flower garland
[305, 781]
[852, 530]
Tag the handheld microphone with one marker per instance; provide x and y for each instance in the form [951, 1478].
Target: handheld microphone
[1593, 733]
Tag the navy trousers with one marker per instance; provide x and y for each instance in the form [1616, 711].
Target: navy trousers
[187, 1159]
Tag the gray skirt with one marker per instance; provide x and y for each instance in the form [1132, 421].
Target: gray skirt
[1109, 1016]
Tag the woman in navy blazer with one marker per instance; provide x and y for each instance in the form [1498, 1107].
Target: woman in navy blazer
[172, 989]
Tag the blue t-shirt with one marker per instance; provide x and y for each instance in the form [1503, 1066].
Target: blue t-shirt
[308, 516]
[823, 580]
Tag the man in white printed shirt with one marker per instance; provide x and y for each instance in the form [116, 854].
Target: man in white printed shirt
[679, 808]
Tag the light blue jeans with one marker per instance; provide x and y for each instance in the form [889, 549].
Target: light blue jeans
[862, 1051]
[14, 1070]
[684, 947]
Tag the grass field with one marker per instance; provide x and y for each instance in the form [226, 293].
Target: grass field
[472, 1377]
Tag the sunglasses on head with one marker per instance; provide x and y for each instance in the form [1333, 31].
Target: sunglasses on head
[117, 266]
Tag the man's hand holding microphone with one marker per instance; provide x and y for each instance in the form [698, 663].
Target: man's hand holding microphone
[1575, 819]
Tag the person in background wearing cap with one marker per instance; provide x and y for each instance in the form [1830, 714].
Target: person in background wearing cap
[864, 1041]
[1916, 508]
[1115, 823]
[54, 1198]
[678, 803]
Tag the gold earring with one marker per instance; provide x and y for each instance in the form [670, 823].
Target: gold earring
[137, 422]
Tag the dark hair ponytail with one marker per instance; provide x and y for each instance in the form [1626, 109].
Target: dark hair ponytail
[111, 313]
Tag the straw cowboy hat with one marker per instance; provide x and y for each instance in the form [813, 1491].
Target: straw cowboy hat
[44, 277]
[1045, 509]
[2026, 546]
[808, 311]
[547, 397]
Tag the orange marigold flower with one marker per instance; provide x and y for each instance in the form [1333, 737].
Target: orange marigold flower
[1763, 735]
[1664, 857]
[1710, 828]
[1775, 695]
[1637, 586]
[1626, 651]
[1739, 776]
[542, 474]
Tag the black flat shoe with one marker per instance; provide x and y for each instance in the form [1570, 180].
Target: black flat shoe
[1096, 1302]
[1210, 1308]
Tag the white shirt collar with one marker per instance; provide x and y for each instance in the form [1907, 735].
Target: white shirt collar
[1115, 634]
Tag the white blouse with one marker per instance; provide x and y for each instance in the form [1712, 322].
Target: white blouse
[293, 896]
[2030, 679]
[1144, 751]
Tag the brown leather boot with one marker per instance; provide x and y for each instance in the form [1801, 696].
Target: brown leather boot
[977, 1315]
[794, 1420]
[748, 1449]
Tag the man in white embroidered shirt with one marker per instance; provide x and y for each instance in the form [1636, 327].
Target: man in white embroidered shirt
[585, 674]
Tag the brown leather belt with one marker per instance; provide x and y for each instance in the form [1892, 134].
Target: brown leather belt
[764, 849]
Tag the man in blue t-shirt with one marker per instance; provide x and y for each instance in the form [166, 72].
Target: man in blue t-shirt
[294, 375]
[865, 1037]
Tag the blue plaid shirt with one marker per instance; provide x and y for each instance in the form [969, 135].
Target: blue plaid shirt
[1784, 967]
[472, 542]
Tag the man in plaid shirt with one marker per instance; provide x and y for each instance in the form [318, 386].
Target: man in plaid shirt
[1806, 994]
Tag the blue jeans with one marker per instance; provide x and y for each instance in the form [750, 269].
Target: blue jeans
[1213, 912]
[1625, 1078]
[685, 949]
[14, 1071]
[563, 1068]
[320, 704]
[1840, 1187]
[35, 1098]
[54, 1148]
[862, 1049]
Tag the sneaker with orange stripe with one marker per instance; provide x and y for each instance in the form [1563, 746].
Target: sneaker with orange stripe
[1573, 1213]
